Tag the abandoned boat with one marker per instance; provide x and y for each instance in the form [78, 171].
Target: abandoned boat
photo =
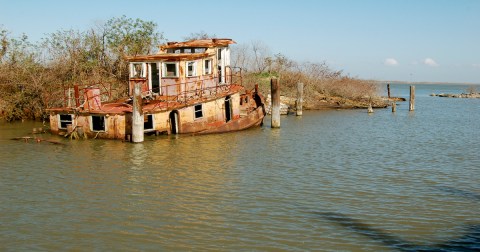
[187, 87]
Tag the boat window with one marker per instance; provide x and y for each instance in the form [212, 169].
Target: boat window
[65, 119]
[97, 123]
[170, 69]
[207, 66]
[191, 68]
[198, 111]
[148, 122]
[200, 50]
[138, 70]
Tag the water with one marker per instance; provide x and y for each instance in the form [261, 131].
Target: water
[328, 181]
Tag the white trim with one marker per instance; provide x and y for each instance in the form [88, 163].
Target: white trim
[133, 70]
[209, 66]
[60, 121]
[105, 120]
[194, 68]
[164, 70]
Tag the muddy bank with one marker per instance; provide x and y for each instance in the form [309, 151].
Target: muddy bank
[332, 102]
[323, 102]
[470, 95]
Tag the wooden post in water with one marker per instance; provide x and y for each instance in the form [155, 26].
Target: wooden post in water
[137, 115]
[275, 93]
[388, 90]
[412, 98]
[394, 106]
[76, 95]
[299, 102]
[370, 109]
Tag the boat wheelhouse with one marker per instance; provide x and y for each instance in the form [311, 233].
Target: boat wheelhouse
[187, 87]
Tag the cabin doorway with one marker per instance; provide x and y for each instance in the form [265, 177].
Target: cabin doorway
[174, 122]
[155, 77]
[228, 108]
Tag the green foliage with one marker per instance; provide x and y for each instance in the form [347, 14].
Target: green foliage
[35, 76]
[126, 36]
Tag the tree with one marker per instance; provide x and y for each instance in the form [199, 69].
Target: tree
[260, 54]
[199, 35]
[126, 36]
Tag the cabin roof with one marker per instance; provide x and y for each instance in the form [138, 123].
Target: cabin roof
[214, 42]
[168, 57]
[199, 43]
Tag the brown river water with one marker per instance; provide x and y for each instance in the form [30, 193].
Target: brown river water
[326, 181]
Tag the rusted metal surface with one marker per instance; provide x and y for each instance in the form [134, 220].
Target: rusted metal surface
[199, 43]
[169, 57]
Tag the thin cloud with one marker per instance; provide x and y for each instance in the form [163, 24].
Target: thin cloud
[430, 62]
[476, 65]
[390, 62]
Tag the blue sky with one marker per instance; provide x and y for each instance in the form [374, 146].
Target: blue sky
[409, 40]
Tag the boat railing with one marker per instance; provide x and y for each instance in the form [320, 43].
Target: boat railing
[185, 95]
[78, 96]
[92, 96]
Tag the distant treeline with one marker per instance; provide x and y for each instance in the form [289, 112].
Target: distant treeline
[34, 76]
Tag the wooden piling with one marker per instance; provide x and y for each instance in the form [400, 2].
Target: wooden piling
[137, 115]
[388, 90]
[299, 102]
[76, 95]
[275, 93]
[412, 98]
[394, 106]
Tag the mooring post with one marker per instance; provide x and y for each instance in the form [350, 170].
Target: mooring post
[275, 93]
[394, 106]
[137, 115]
[76, 95]
[370, 109]
[388, 90]
[299, 98]
[412, 98]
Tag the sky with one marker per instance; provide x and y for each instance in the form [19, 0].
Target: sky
[404, 40]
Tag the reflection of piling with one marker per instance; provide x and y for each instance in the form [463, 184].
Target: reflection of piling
[388, 90]
[137, 116]
[299, 102]
[275, 93]
[412, 98]
[394, 106]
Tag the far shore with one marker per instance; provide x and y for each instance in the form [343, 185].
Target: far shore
[423, 82]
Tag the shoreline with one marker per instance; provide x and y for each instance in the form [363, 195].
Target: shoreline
[425, 83]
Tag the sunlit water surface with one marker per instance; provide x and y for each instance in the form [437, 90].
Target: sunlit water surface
[326, 181]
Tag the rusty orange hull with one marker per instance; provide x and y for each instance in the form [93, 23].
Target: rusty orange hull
[233, 111]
